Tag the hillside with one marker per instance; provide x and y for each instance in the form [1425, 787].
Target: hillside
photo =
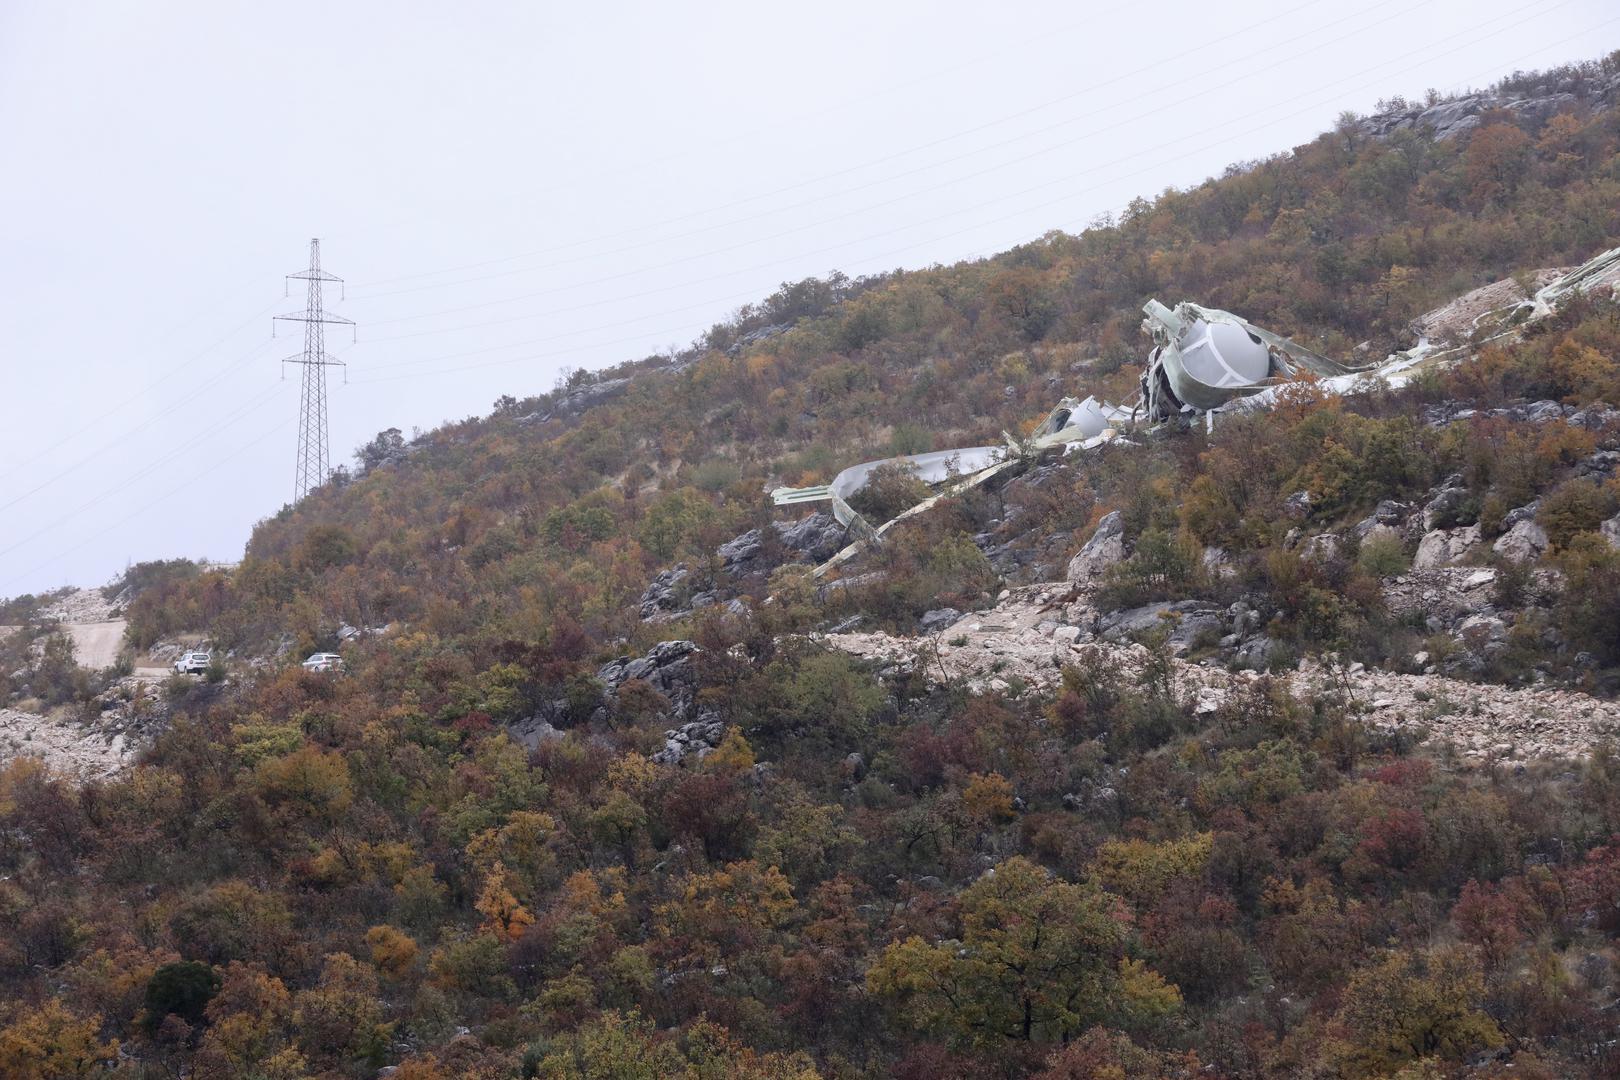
[1278, 747]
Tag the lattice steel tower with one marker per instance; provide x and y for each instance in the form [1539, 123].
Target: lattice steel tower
[313, 464]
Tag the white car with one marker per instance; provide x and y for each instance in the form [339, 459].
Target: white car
[193, 663]
[324, 661]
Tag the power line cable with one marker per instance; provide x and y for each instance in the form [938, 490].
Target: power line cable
[902, 250]
[148, 388]
[153, 502]
[228, 422]
[173, 407]
[820, 224]
[1199, 78]
[1154, 68]
[892, 252]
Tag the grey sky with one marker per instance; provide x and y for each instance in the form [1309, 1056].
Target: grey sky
[511, 189]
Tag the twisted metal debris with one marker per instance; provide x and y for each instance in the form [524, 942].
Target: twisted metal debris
[1204, 361]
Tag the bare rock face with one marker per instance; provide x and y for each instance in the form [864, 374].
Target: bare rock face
[1448, 501]
[1449, 119]
[1611, 531]
[1189, 622]
[1442, 547]
[1391, 518]
[1524, 542]
[1105, 548]
[1322, 548]
[815, 537]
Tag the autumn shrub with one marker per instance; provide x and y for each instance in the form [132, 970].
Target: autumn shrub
[890, 490]
[1588, 608]
[1574, 507]
[1164, 566]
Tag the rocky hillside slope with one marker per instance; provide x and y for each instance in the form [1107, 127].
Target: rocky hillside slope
[1276, 748]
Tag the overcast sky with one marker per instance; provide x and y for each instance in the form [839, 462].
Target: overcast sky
[515, 188]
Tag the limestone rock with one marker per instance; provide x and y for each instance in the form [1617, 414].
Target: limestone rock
[1321, 548]
[1441, 510]
[1611, 531]
[1105, 548]
[1189, 622]
[1390, 516]
[1524, 542]
[667, 668]
[816, 537]
[1441, 547]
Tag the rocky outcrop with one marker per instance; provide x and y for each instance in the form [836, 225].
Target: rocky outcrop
[129, 717]
[1449, 119]
[1321, 548]
[1390, 518]
[1105, 548]
[79, 606]
[1446, 502]
[676, 592]
[815, 537]
[1611, 531]
[581, 398]
[1189, 623]
[1442, 547]
[1597, 417]
[667, 668]
[532, 732]
[665, 596]
[1524, 542]
[698, 739]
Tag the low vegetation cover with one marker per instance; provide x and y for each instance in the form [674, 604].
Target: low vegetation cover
[867, 874]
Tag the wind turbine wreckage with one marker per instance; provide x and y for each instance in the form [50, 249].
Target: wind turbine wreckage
[1204, 361]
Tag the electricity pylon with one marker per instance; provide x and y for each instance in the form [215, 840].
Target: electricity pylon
[313, 464]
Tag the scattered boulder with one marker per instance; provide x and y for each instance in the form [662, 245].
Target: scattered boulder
[1256, 654]
[1297, 505]
[667, 668]
[663, 596]
[532, 731]
[1389, 518]
[1191, 622]
[1600, 465]
[1611, 531]
[697, 739]
[1478, 631]
[1523, 542]
[1105, 548]
[1442, 547]
[939, 619]
[816, 537]
[1446, 504]
[1321, 548]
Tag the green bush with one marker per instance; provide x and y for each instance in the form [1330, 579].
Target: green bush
[1383, 556]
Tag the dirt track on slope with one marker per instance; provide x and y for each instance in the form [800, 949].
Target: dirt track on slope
[96, 645]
